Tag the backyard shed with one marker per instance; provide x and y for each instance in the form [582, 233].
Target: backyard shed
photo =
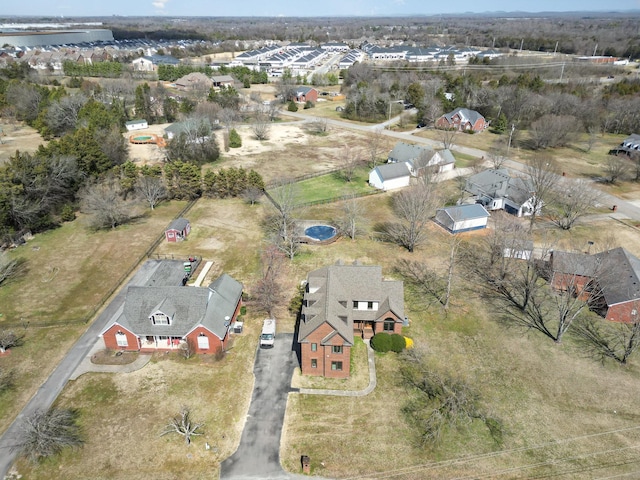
[463, 218]
[177, 230]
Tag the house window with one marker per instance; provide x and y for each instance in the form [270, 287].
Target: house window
[314, 347]
[355, 304]
[337, 366]
[369, 305]
[203, 342]
[389, 325]
[314, 363]
[121, 339]
[160, 319]
[336, 349]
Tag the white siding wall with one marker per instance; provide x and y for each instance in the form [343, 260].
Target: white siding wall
[472, 223]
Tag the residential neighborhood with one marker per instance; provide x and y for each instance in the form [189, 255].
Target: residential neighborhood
[349, 246]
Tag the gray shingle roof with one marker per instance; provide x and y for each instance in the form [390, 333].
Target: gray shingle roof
[499, 184]
[332, 290]
[405, 152]
[390, 171]
[188, 308]
[178, 224]
[619, 275]
[465, 212]
[465, 114]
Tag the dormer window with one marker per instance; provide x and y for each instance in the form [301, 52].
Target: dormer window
[160, 319]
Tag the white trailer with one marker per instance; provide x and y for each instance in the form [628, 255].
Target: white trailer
[268, 335]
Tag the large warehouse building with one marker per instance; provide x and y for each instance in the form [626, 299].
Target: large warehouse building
[54, 37]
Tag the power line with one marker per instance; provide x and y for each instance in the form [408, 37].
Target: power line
[461, 460]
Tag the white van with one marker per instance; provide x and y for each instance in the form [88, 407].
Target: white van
[268, 335]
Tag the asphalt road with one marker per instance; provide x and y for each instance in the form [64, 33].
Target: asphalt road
[258, 456]
[51, 388]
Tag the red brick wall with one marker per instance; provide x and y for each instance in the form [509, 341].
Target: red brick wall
[324, 355]
[110, 342]
[379, 325]
[564, 281]
[214, 342]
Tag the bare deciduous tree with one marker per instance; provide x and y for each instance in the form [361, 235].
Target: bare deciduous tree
[601, 339]
[497, 154]
[267, 294]
[615, 168]
[184, 425]
[352, 213]
[105, 203]
[542, 174]
[152, 189]
[413, 207]
[252, 194]
[9, 339]
[318, 126]
[62, 115]
[569, 200]
[440, 401]
[7, 379]
[552, 131]
[447, 137]
[10, 267]
[46, 433]
[188, 348]
[350, 158]
[375, 140]
[261, 127]
[285, 195]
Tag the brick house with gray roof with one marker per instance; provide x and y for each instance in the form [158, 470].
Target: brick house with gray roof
[340, 302]
[462, 119]
[164, 317]
[609, 281]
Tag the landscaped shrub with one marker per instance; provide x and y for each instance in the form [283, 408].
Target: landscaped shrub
[292, 107]
[309, 104]
[381, 342]
[398, 343]
[234, 139]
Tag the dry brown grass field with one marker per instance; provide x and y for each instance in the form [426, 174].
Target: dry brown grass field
[69, 270]
[554, 403]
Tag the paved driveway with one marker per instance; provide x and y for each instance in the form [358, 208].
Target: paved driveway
[258, 456]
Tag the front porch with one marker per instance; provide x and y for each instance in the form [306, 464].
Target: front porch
[150, 344]
[364, 329]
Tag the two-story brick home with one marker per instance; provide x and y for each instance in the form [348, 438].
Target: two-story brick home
[342, 301]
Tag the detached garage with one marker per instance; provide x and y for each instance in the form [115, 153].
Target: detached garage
[463, 218]
[390, 176]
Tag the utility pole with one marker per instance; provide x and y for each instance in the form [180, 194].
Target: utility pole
[595, 50]
[555, 49]
[521, 43]
[562, 72]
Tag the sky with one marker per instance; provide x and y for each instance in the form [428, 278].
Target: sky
[289, 8]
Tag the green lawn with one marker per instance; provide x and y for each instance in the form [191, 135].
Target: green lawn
[332, 185]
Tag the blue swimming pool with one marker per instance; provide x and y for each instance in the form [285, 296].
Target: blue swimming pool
[320, 232]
